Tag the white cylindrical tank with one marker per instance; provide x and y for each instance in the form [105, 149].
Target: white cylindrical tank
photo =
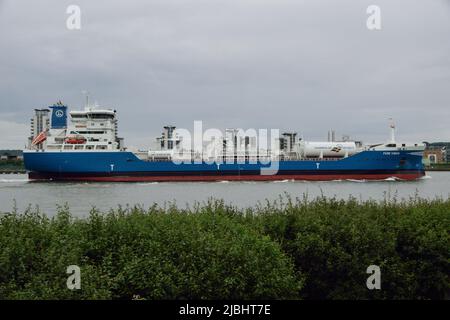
[327, 149]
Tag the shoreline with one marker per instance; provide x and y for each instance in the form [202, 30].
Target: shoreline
[13, 171]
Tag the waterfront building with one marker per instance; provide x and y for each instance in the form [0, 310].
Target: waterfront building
[39, 123]
[436, 152]
[11, 155]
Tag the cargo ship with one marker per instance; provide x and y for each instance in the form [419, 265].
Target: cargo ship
[87, 148]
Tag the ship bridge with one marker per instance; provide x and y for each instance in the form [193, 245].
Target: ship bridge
[93, 128]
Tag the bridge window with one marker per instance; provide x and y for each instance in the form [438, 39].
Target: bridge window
[101, 116]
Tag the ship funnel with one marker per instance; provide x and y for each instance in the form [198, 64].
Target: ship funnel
[59, 116]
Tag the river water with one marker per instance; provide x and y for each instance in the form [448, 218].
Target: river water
[81, 197]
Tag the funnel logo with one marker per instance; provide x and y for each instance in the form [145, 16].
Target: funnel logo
[59, 116]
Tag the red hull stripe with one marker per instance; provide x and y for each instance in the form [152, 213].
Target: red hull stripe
[306, 177]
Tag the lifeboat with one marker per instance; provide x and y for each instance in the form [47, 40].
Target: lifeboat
[75, 139]
[41, 137]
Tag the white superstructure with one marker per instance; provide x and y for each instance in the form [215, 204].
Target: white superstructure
[90, 129]
[95, 129]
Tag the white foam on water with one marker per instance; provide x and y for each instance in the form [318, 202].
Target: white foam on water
[389, 179]
[13, 180]
[356, 180]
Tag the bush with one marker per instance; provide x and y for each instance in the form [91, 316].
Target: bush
[316, 249]
[332, 242]
[8, 165]
[136, 253]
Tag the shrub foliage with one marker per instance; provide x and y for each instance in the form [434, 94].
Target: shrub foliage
[288, 249]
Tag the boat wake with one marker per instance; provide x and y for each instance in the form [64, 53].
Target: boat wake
[13, 180]
[147, 183]
[390, 179]
[356, 180]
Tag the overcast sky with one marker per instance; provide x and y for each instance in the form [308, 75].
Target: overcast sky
[307, 66]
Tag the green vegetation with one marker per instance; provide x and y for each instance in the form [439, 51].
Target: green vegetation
[7, 166]
[438, 167]
[289, 249]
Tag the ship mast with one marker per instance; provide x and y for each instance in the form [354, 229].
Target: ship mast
[392, 126]
[86, 93]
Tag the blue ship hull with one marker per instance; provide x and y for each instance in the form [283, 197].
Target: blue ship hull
[125, 166]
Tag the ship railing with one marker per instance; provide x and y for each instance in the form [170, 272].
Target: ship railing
[323, 159]
[234, 159]
[78, 147]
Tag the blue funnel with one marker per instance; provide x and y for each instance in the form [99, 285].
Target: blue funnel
[59, 116]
